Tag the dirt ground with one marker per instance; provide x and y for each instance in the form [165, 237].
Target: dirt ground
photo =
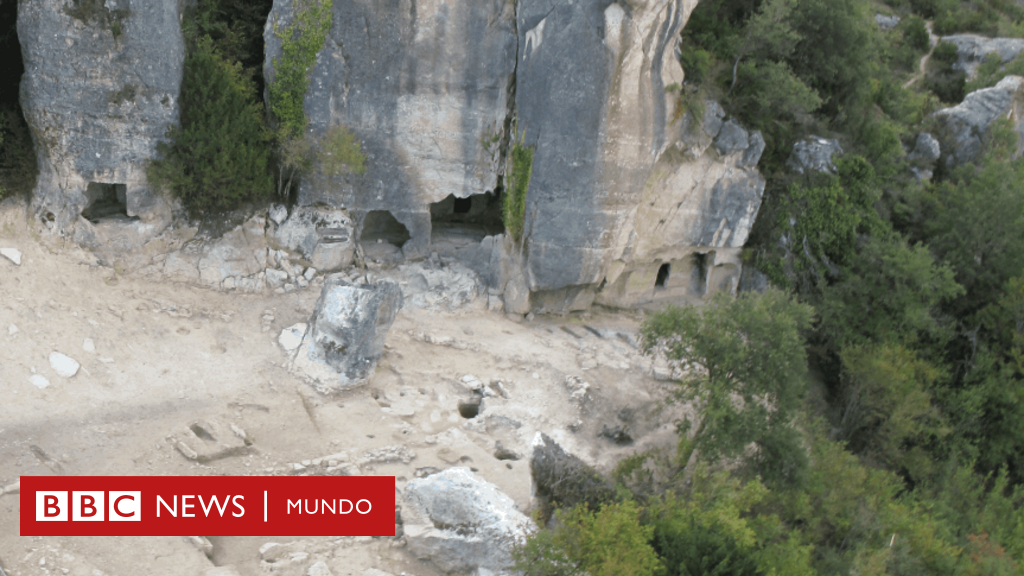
[156, 358]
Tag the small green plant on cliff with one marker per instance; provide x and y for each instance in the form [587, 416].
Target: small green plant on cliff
[218, 156]
[300, 42]
[96, 13]
[336, 152]
[513, 209]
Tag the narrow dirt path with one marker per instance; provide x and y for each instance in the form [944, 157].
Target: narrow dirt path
[933, 41]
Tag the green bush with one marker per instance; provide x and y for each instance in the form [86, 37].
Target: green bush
[217, 157]
[607, 542]
[300, 42]
[916, 34]
[518, 183]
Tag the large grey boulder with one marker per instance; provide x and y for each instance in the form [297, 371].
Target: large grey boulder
[100, 89]
[814, 154]
[345, 338]
[424, 85]
[964, 125]
[462, 523]
[972, 50]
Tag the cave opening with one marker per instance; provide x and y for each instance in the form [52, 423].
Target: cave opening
[17, 156]
[459, 222]
[381, 226]
[106, 201]
[699, 274]
[663, 272]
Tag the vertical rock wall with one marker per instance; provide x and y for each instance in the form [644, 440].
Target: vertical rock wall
[424, 85]
[100, 89]
[591, 100]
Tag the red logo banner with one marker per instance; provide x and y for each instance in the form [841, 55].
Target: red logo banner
[208, 505]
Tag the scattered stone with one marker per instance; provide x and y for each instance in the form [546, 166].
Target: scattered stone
[346, 334]
[39, 381]
[309, 273]
[278, 214]
[472, 383]
[578, 389]
[276, 278]
[107, 360]
[205, 441]
[319, 569]
[88, 345]
[461, 522]
[12, 254]
[291, 337]
[12, 330]
[618, 434]
[502, 453]
[63, 365]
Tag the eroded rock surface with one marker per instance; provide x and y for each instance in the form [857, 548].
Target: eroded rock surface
[100, 89]
[972, 50]
[425, 86]
[461, 522]
[346, 334]
[965, 125]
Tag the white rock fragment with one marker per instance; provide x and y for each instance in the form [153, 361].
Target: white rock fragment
[107, 360]
[12, 254]
[319, 569]
[88, 345]
[39, 381]
[63, 365]
[291, 337]
[12, 330]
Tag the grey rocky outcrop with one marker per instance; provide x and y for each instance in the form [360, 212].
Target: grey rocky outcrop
[323, 235]
[887, 22]
[461, 522]
[814, 154]
[972, 50]
[424, 85]
[923, 157]
[963, 126]
[100, 89]
[345, 337]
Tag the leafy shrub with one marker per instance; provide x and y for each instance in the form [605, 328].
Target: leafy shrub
[607, 542]
[218, 156]
[300, 42]
[565, 481]
[916, 34]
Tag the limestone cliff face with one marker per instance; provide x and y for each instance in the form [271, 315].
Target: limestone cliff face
[100, 88]
[439, 90]
[591, 99]
[424, 84]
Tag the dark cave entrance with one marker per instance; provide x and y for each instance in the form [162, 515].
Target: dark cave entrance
[106, 201]
[699, 274]
[383, 226]
[457, 222]
[663, 272]
[17, 156]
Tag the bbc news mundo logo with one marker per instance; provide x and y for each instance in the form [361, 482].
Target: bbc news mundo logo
[211, 505]
[88, 506]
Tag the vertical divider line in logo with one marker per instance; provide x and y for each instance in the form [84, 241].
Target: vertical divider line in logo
[264, 505]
